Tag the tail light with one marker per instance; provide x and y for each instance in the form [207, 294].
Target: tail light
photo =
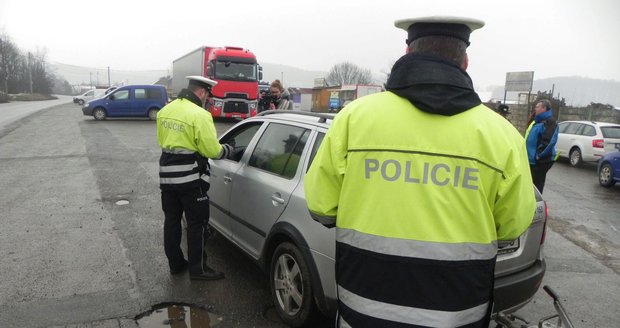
[598, 143]
[544, 233]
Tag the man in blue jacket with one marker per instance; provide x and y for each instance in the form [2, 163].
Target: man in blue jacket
[541, 137]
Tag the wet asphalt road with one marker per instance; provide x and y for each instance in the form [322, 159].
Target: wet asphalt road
[70, 255]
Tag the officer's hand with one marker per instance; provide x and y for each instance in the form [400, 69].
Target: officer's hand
[227, 151]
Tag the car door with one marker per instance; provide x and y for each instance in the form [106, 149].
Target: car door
[241, 138]
[118, 103]
[139, 102]
[270, 176]
[566, 137]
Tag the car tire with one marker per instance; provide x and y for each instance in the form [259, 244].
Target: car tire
[153, 114]
[606, 175]
[99, 114]
[291, 287]
[80, 102]
[575, 157]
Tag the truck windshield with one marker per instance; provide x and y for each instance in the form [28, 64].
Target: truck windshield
[227, 70]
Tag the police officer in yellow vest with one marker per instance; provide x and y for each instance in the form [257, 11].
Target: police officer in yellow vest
[421, 182]
[187, 136]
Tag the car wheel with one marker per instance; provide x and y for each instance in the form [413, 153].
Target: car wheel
[99, 114]
[291, 288]
[153, 114]
[606, 176]
[575, 157]
[80, 102]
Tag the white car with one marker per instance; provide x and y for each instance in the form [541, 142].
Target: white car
[585, 141]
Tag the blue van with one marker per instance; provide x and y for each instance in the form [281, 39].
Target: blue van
[128, 101]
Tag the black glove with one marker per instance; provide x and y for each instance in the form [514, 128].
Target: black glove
[227, 151]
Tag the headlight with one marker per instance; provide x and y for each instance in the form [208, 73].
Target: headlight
[219, 104]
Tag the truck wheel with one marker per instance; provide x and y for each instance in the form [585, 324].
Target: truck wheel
[99, 114]
[291, 287]
[153, 114]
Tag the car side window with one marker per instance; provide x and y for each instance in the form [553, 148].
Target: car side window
[562, 126]
[588, 130]
[279, 149]
[240, 138]
[572, 128]
[140, 93]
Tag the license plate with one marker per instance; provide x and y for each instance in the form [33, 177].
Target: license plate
[506, 247]
[236, 115]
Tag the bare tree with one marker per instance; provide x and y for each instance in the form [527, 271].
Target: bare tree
[348, 73]
[9, 61]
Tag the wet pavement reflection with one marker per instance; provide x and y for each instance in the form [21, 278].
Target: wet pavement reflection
[178, 316]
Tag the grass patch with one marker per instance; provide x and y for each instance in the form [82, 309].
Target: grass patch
[30, 97]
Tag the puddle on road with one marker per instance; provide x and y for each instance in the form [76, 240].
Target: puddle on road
[122, 202]
[178, 316]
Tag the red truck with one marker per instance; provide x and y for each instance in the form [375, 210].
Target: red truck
[237, 74]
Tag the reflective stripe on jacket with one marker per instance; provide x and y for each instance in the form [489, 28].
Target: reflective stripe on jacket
[187, 136]
[420, 201]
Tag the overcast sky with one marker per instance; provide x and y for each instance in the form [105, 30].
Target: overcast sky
[551, 37]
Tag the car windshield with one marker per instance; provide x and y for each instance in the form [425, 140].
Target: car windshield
[611, 132]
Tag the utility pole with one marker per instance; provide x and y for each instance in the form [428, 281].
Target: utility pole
[109, 85]
[30, 70]
[91, 79]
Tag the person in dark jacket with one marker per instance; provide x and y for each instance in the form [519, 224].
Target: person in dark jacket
[541, 137]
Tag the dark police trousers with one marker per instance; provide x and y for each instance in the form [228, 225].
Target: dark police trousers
[195, 203]
[539, 174]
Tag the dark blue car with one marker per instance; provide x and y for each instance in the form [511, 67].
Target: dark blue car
[609, 168]
[128, 101]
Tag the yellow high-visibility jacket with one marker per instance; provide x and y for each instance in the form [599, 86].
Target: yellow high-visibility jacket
[419, 201]
[187, 136]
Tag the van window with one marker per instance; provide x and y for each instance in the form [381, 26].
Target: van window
[140, 93]
[153, 93]
[89, 93]
[121, 95]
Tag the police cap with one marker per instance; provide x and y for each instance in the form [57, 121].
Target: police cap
[452, 26]
[201, 81]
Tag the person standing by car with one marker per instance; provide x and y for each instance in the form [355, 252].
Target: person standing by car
[421, 182]
[280, 96]
[187, 136]
[541, 136]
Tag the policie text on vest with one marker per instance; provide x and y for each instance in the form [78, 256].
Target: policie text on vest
[440, 174]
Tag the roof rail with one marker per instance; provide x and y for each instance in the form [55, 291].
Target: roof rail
[323, 117]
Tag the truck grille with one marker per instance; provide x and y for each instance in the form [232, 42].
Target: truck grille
[236, 107]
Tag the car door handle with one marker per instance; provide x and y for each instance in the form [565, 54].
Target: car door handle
[277, 199]
[227, 179]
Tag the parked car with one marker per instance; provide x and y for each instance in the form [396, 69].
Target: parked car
[88, 95]
[128, 101]
[609, 168]
[585, 141]
[258, 203]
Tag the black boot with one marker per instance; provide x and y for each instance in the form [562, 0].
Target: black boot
[207, 274]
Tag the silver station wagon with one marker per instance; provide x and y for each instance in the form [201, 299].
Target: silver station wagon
[258, 203]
